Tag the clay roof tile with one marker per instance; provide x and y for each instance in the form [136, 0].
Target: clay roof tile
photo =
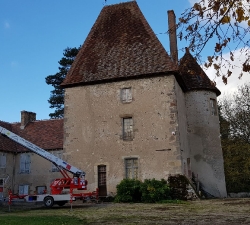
[46, 134]
[194, 76]
[121, 44]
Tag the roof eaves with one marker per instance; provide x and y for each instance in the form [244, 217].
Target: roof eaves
[141, 76]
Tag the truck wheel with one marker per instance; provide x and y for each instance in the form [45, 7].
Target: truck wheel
[48, 201]
[61, 203]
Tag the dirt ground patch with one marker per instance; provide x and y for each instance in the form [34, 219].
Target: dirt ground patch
[200, 212]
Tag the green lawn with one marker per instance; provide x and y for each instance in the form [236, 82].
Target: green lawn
[200, 212]
[40, 220]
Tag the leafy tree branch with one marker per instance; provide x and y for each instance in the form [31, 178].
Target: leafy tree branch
[224, 23]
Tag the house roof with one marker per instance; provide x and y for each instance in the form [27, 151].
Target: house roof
[5, 143]
[193, 75]
[120, 45]
[47, 134]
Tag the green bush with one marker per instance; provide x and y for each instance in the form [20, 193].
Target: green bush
[149, 191]
[128, 191]
[154, 191]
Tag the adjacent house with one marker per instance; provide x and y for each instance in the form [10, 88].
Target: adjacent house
[23, 171]
[133, 111]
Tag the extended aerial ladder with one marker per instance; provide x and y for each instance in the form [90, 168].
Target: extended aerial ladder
[59, 185]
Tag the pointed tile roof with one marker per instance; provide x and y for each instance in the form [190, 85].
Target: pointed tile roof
[120, 45]
[193, 75]
[47, 134]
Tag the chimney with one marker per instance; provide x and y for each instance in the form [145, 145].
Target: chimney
[27, 117]
[172, 36]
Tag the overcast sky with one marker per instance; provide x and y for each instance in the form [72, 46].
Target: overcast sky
[33, 35]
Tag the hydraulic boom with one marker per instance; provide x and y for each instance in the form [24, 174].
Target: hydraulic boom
[57, 161]
[59, 185]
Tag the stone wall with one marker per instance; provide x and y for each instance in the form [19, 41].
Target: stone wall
[93, 129]
[182, 129]
[204, 141]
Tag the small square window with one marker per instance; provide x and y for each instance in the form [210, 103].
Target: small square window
[126, 95]
[213, 107]
[41, 190]
[127, 128]
[23, 189]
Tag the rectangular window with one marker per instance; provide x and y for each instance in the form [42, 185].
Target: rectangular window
[25, 163]
[101, 175]
[23, 189]
[54, 167]
[41, 190]
[213, 107]
[127, 128]
[189, 168]
[126, 94]
[1, 188]
[2, 160]
[131, 166]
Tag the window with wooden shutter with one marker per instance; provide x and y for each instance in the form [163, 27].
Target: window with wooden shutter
[127, 128]
[126, 95]
[213, 107]
[2, 160]
[54, 167]
[23, 189]
[41, 190]
[131, 167]
[25, 163]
